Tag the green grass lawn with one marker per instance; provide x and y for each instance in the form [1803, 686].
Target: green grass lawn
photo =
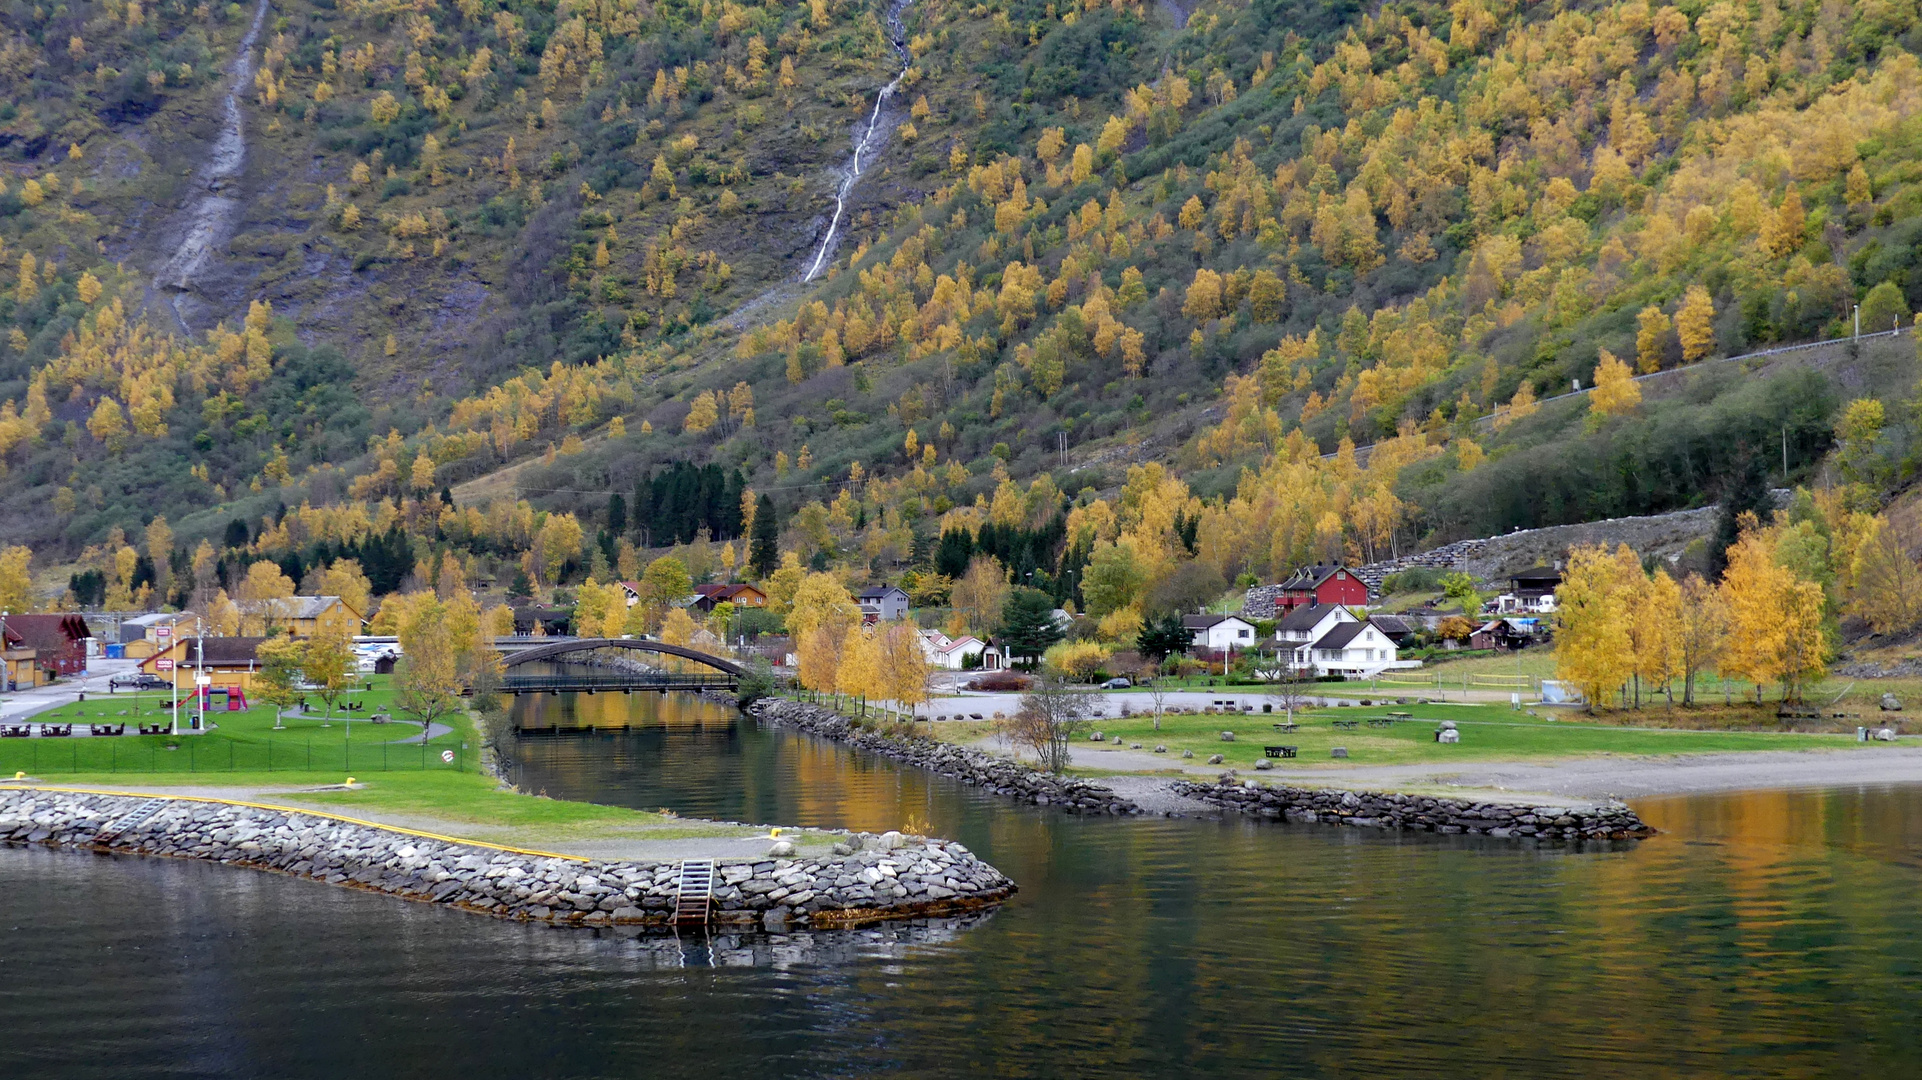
[1487, 733]
[236, 742]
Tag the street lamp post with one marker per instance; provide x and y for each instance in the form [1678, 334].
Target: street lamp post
[6, 666]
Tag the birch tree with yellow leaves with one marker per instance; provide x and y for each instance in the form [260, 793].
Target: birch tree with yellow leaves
[1593, 650]
[1774, 620]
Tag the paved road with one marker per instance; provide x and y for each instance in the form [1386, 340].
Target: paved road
[1111, 702]
[18, 704]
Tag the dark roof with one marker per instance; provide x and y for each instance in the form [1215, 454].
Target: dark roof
[1305, 618]
[50, 632]
[221, 651]
[1391, 624]
[1536, 573]
[1309, 577]
[1339, 636]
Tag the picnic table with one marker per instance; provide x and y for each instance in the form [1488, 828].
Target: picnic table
[1380, 721]
[1287, 725]
[1279, 751]
[1401, 716]
[1348, 724]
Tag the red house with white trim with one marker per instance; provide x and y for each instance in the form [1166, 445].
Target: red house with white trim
[1321, 585]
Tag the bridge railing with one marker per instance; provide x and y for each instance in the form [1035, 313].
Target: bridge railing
[616, 681]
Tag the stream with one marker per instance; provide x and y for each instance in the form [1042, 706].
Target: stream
[209, 216]
[870, 138]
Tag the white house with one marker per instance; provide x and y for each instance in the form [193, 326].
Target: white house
[1352, 649]
[951, 654]
[1305, 625]
[1220, 632]
[882, 603]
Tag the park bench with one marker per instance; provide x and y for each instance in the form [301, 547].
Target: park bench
[1380, 721]
[1278, 751]
[1348, 724]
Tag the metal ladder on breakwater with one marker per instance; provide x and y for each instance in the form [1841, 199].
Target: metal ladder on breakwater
[694, 898]
[132, 819]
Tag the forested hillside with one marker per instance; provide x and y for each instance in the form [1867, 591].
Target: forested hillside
[1110, 278]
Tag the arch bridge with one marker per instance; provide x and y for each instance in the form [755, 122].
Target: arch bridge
[723, 674]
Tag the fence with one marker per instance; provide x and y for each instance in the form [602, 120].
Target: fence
[1508, 682]
[201, 754]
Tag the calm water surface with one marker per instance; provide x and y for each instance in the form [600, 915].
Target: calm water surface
[1761, 935]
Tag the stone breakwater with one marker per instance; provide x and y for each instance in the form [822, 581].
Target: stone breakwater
[996, 774]
[1420, 813]
[869, 879]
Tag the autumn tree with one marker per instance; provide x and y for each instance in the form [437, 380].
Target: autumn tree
[1051, 714]
[1887, 591]
[1615, 391]
[16, 580]
[1651, 339]
[1592, 648]
[1774, 620]
[264, 595]
[1695, 324]
[902, 664]
[1701, 627]
[1655, 610]
[977, 597]
[663, 585]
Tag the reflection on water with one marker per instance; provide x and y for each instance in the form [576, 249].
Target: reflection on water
[1760, 935]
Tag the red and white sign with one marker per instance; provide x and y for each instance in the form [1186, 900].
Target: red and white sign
[163, 631]
[163, 665]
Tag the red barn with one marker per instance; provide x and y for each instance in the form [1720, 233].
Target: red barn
[1321, 585]
[59, 640]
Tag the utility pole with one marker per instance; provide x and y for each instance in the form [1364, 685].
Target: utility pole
[201, 686]
[1858, 321]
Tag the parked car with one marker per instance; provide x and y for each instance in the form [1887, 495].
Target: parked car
[1116, 684]
[137, 680]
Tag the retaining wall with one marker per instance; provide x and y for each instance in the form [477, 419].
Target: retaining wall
[878, 878]
[997, 774]
[1419, 813]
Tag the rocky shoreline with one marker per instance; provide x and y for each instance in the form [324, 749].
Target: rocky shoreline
[973, 767]
[1420, 813]
[869, 879]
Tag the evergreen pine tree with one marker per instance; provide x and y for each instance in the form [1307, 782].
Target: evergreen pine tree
[764, 549]
[1027, 624]
[1748, 492]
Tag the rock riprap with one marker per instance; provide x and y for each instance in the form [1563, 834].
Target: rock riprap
[869, 878]
[996, 774]
[1420, 813]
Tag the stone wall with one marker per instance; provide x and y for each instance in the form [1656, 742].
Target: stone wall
[869, 879]
[999, 775]
[1419, 813]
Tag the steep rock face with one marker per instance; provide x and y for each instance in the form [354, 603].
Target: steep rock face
[885, 878]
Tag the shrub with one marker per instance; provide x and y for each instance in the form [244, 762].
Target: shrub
[1001, 682]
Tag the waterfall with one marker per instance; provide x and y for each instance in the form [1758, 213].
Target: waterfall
[867, 139]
